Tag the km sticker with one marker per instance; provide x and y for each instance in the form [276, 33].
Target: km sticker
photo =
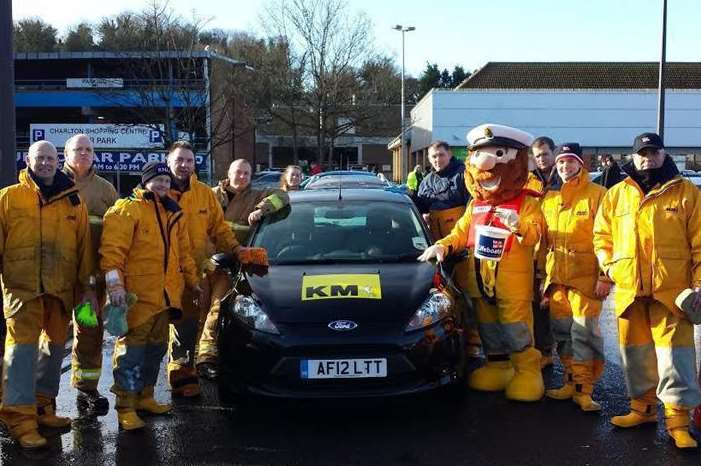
[341, 286]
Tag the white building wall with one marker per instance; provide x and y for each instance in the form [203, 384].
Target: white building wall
[596, 119]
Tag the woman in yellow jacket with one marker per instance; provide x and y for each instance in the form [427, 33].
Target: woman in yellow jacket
[146, 251]
[573, 282]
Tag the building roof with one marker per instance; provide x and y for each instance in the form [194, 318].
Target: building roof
[583, 75]
[121, 55]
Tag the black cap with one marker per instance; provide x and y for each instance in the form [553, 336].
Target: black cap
[154, 169]
[569, 148]
[647, 141]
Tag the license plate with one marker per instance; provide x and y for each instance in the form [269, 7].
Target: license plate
[343, 368]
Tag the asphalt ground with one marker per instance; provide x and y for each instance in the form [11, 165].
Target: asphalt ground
[435, 429]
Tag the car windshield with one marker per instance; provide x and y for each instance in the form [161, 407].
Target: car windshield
[343, 231]
[348, 181]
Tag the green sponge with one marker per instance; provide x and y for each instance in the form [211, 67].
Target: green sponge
[85, 315]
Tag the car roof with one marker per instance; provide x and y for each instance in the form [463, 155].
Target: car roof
[345, 172]
[349, 194]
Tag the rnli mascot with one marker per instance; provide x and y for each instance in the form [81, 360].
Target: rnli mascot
[500, 228]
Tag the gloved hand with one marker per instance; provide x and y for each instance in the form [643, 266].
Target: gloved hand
[509, 218]
[435, 251]
[116, 294]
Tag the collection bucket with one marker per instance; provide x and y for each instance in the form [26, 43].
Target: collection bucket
[490, 242]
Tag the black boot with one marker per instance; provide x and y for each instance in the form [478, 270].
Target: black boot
[92, 401]
[208, 370]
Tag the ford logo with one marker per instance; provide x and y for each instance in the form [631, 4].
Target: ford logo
[343, 325]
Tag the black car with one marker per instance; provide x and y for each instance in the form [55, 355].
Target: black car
[344, 309]
[347, 179]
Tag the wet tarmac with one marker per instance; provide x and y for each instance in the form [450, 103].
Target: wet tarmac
[481, 429]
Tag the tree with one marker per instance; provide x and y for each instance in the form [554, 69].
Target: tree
[121, 32]
[34, 35]
[79, 39]
[327, 44]
[430, 78]
[445, 81]
[458, 76]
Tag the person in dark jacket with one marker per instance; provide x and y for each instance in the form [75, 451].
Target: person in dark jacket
[442, 199]
[612, 173]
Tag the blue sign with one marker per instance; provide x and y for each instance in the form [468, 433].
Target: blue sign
[124, 161]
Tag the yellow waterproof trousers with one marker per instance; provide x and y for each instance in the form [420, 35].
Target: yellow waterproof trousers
[220, 284]
[575, 325]
[657, 350]
[36, 335]
[137, 360]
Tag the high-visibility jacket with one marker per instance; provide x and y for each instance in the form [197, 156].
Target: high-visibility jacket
[513, 276]
[650, 245]
[44, 243]
[205, 221]
[147, 242]
[238, 206]
[569, 220]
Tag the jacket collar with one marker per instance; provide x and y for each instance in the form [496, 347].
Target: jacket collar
[167, 203]
[62, 186]
[669, 172]
[574, 185]
[68, 170]
[450, 169]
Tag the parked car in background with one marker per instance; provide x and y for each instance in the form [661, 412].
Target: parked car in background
[266, 180]
[346, 179]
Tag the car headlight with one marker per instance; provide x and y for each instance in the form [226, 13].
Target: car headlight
[434, 309]
[248, 309]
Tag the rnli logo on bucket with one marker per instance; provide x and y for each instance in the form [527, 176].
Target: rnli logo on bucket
[490, 242]
[341, 286]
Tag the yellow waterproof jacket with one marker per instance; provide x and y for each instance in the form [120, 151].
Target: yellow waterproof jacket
[205, 221]
[44, 243]
[238, 206]
[146, 241]
[569, 220]
[513, 275]
[650, 245]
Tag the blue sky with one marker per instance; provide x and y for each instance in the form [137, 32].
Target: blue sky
[467, 32]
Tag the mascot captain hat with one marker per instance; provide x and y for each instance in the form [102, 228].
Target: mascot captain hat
[497, 135]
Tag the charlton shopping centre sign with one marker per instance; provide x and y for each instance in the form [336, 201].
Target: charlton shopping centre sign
[103, 136]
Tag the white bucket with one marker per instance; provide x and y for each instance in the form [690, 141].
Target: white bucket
[490, 242]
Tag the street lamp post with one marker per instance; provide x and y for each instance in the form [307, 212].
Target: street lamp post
[660, 90]
[7, 98]
[404, 156]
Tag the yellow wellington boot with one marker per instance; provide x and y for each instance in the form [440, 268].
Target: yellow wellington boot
[494, 376]
[31, 440]
[563, 393]
[46, 414]
[147, 403]
[129, 420]
[23, 430]
[152, 406]
[527, 384]
[677, 421]
[582, 396]
[642, 411]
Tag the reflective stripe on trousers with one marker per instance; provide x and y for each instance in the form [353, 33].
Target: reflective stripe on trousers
[86, 356]
[138, 356]
[657, 351]
[575, 323]
[505, 327]
[36, 336]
